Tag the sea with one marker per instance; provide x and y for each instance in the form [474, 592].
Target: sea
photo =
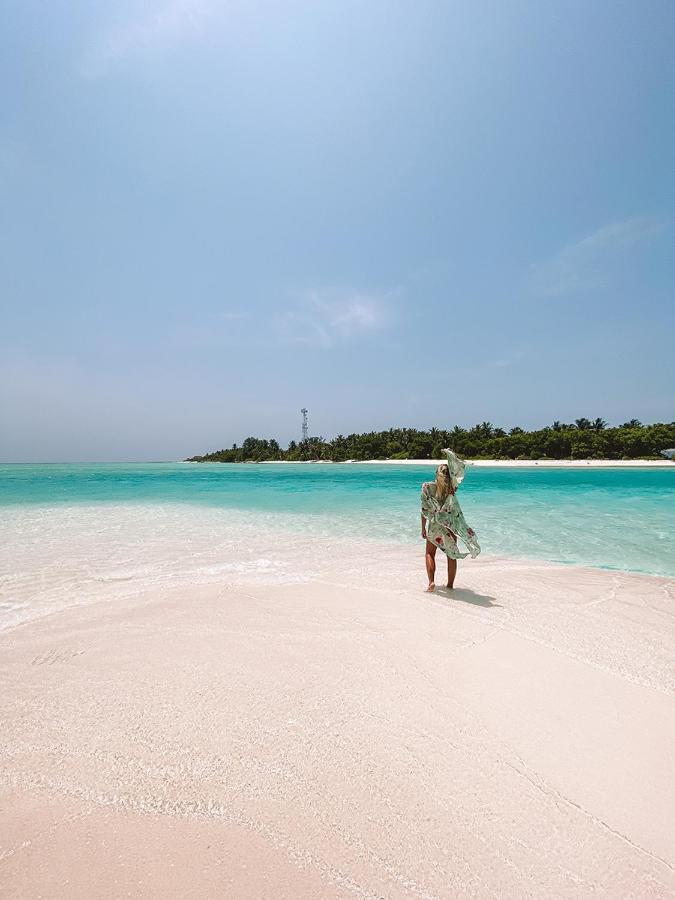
[80, 533]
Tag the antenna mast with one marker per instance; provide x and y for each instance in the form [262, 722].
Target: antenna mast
[305, 429]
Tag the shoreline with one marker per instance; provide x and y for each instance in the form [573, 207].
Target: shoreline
[360, 554]
[477, 463]
[351, 736]
[61, 555]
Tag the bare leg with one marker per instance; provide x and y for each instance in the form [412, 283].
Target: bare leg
[430, 560]
[452, 571]
[452, 565]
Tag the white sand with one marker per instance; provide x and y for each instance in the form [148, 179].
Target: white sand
[348, 737]
[501, 463]
[543, 463]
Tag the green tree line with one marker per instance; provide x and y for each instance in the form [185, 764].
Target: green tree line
[581, 439]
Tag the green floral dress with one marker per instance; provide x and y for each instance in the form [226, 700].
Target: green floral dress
[445, 522]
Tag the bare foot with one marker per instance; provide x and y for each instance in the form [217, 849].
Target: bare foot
[431, 588]
[450, 586]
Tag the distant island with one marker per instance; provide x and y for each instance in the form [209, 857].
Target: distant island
[582, 439]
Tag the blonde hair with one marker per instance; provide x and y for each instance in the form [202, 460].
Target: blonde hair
[443, 483]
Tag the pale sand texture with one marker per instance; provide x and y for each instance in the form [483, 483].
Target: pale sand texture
[341, 739]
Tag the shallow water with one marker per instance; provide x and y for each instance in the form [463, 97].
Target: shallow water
[620, 518]
[85, 532]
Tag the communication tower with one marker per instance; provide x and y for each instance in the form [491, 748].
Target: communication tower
[305, 427]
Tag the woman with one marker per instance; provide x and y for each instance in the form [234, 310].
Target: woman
[443, 520]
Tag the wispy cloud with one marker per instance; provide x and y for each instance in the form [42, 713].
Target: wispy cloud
[160, 27]
[323, 317]
[583, 265]
[328, 315]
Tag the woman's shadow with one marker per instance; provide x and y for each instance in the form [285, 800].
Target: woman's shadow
[467, 596]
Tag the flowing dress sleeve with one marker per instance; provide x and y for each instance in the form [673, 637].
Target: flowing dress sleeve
[456, 467]
[463, 531]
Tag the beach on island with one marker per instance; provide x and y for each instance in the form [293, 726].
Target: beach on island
[500, 463]
[345, 736]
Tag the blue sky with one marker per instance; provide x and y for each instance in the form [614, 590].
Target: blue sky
[393, 213]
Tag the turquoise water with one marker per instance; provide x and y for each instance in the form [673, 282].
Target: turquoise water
[613, 518]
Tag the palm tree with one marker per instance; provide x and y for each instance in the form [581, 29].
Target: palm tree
[557, 426]
[456, 437]
[634, 423]
[599, 425]
[582, 424]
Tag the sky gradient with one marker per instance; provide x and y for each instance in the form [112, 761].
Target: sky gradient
[393, 213]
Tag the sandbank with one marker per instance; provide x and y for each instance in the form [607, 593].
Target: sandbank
[346, 737]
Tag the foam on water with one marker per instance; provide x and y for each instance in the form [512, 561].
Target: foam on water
[57, 557]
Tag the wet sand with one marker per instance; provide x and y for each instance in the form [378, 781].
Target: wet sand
[346, 738]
